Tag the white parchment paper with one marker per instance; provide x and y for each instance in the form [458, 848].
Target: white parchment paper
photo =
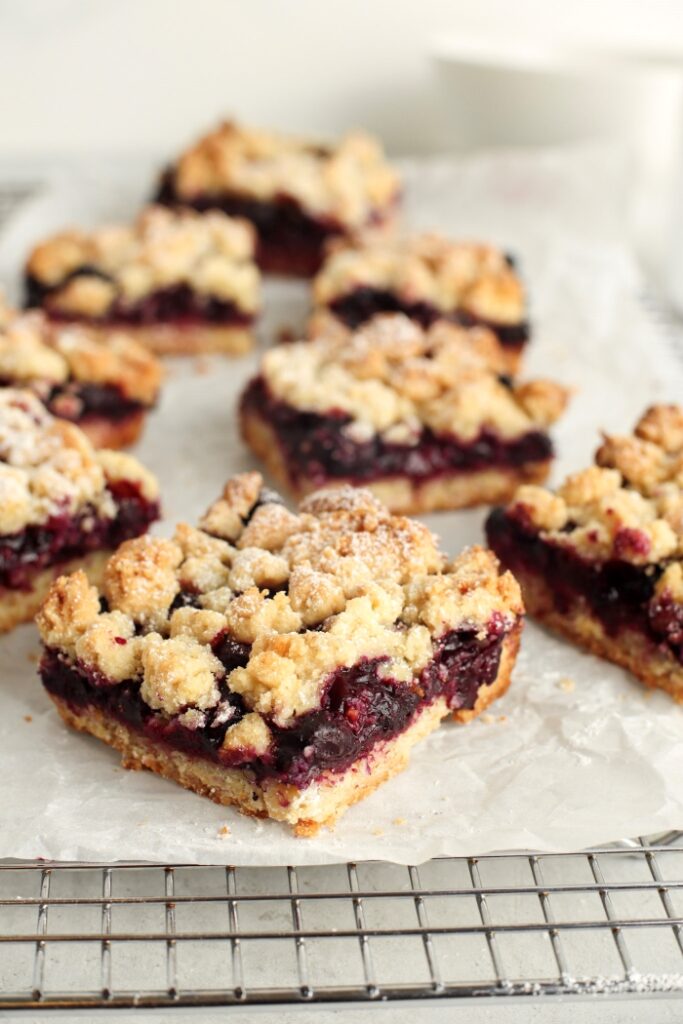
[576, 753]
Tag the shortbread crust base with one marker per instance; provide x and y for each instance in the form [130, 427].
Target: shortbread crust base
[306, 811]
[166, 340]
[401, 495]
[17, 606]
[104, 433]
[629, 648]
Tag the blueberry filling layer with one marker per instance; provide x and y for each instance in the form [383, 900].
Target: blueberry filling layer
[80, 402]
[363, 303]
[360, 706]
[289, 239]
[178, 304]
[621, 595]
[63, 537]
[317, 448]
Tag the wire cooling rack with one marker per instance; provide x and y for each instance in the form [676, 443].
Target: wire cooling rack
[603, 921]
[606, 921]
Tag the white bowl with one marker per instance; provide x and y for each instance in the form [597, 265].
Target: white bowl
[515, 93]
[506, 93]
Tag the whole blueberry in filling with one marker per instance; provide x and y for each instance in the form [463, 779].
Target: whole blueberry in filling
[281, 661]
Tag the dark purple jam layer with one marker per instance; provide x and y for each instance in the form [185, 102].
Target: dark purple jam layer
[359, 707]
[619, 594]
[63, 537]
[363, 303]
[316, 448]
[179, 305]
[81, 402]
[84, 401]
[290, 241]
[77, 402]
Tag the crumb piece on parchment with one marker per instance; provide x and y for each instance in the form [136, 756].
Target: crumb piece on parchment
[224, 832]
[378, 831]
[202, 366]
[399, 821]
[28, 718]
[285, 335]
[567, 684]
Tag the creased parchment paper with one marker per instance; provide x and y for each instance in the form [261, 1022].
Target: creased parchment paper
[576, 753]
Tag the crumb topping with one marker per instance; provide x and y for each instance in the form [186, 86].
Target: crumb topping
[121, 467]
[110, 647]
[70, 609]
[340, 580]
[90, 272]
[177, 672]
[393, 378]
[48, 467]
[348, 181]
[670, 583]
[427, 268]
[653, 456]
[251, 735]
[663, 426]
[141, 579]
[628, 506]
[36, 353]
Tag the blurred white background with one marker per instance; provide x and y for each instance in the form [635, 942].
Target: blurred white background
[146, 75]
[138, 79]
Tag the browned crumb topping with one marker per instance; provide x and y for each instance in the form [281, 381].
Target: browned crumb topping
[670, 583]
[49, 467]
[393, 378]
[663, 425]
[35, 352]
[467, 276]
[653, 456]
[210, 252]
[347, 181]
[339, 580]
[629, 505]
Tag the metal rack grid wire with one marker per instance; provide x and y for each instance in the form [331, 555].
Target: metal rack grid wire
[81, 936]
[607, 921]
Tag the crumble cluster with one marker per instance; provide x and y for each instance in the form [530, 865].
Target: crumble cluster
[348, 181]
[428, 268]
[37, 354]
[306, 593]
[48, 467]
[210, 252]
[629, 506]
[395, 378]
